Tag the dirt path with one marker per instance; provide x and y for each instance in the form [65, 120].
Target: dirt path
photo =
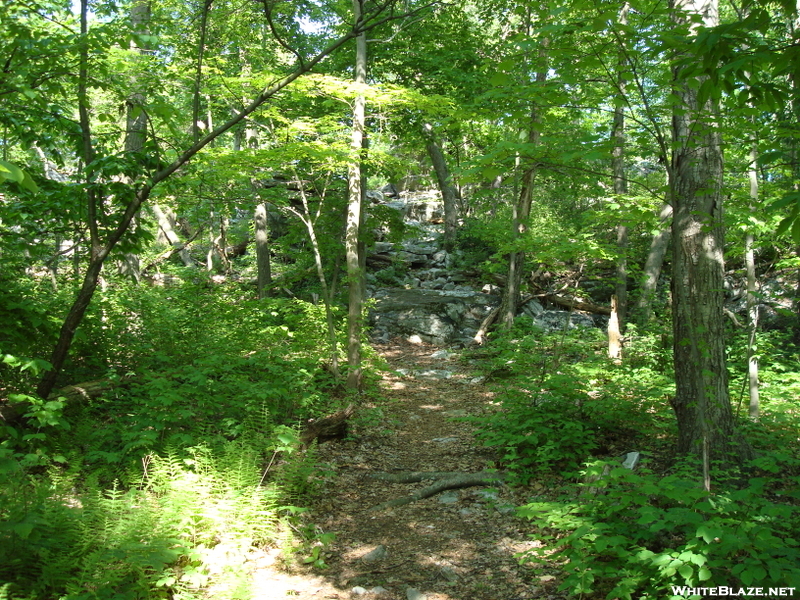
[458, 545]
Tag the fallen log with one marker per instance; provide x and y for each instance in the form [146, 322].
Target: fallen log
[572, 303]
[457, 481]
[11, 413]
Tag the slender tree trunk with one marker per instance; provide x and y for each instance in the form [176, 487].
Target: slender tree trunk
[449, 193]
[614, 336]
[702, 404]
[355, 272]
[521, 211]
[653, 264]
[620, 189]
[198, 74]
[166, 228]
[752, 306]
[262, 251]
[327, 290]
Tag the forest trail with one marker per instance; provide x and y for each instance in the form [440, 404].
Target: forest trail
[457, 545]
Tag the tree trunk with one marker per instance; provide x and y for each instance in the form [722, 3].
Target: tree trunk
[752, 306]
[620, 189]
[521, 214]
[614, 337]
[198, 75]
[652, 265]
[166, 232]
[702, 404]
[262, 251]
[449, 194]
[355, 272]
[136, 117]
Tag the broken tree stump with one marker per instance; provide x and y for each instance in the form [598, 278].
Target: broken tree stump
[332, 427]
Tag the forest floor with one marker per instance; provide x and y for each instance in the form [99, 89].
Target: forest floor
[457, 545]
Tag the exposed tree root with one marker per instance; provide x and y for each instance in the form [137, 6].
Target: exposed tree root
[413, 476]
[449, 482]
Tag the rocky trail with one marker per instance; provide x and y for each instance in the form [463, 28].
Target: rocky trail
[459, 544]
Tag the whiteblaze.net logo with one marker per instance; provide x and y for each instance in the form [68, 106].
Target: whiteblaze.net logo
[728, 592]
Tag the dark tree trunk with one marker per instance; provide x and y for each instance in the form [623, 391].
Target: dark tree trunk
[702, 404]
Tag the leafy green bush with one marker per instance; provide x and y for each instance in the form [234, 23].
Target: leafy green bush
[644, 534]
[537, 435]
[561, 399]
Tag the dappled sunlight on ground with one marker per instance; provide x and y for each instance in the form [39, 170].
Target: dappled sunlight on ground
[457, 545]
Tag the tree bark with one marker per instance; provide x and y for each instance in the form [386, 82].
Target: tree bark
[653, 264]
[614, 337]
[166, 229]
[198, 75]
[262, 251]
[521, 214]
[620, 189]
[356, 192]
[521, 210]
[449, 194]
[752, 305]
[449, 483]
[136, 117]
[702, 404]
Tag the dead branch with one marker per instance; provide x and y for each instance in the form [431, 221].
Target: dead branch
[458, 481]
[572, 303]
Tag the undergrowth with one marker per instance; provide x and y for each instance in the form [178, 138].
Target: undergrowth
[164, 486]
[655, 532]
[645, 535]
[560, 400]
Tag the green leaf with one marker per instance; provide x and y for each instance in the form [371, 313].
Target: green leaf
[686, 571]
[499, 79]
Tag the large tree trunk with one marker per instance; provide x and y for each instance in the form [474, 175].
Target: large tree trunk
[449, 194]
[355, 273]
[702, 405]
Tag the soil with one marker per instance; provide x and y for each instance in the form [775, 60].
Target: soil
[458, 545]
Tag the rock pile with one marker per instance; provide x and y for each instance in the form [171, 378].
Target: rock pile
[420, 290]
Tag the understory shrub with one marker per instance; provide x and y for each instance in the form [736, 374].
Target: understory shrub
[187, 525]
[648, 536]
[559, 399]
